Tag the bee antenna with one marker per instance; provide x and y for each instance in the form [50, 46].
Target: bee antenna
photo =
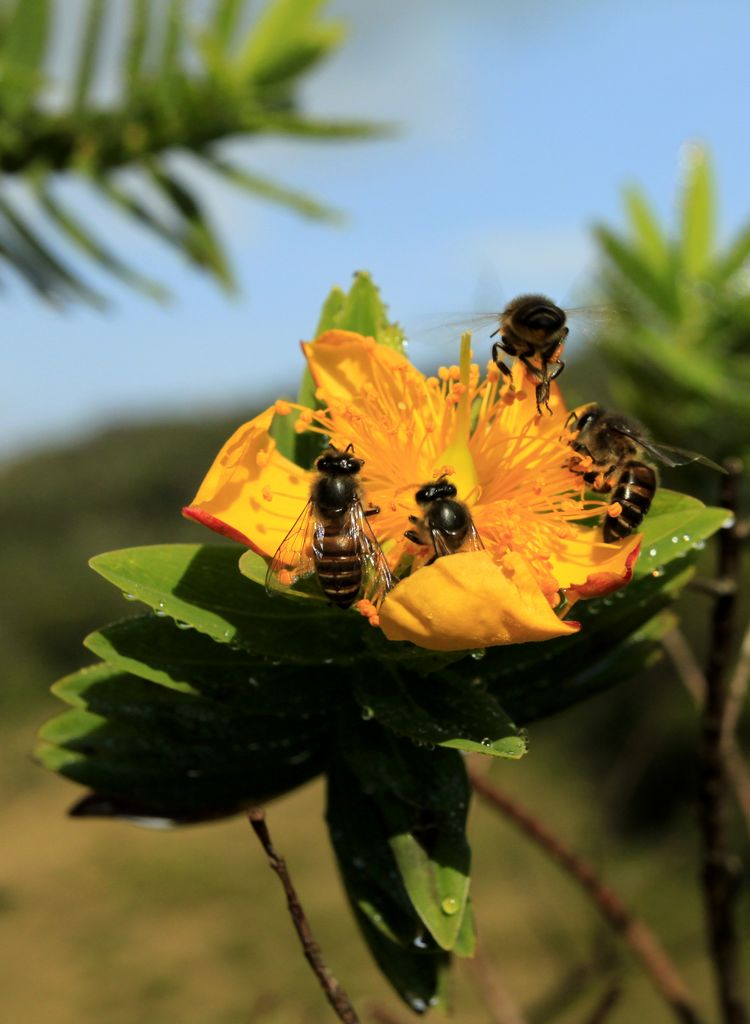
[349, 447]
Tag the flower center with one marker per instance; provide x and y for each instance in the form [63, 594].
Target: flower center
[457, 454]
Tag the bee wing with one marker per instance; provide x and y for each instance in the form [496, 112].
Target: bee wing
[377, 578]
[671, 456]
[295, 557]
[473, 541]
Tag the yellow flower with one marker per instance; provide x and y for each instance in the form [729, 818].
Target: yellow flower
[511, 466]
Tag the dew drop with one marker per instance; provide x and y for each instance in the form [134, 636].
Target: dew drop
[478, 654]
[687, 538]
[420, 942]
[700, 545]
[367, 714]
[182, 625]
[417, 1003]
[159, 613]
[728, 523]
[450, 905]
[486, 742]
[253, 681]
[675, 540]
[659, 571]
[652, 553]
[130, 597]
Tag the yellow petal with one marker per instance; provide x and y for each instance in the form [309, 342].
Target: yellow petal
[465, 601]
[252, 493]
[342, 363]
[585, 566]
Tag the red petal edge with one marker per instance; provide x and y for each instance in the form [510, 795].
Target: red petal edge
[598, 584]
[206, 519]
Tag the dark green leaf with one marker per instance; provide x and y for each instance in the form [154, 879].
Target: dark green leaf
[618, 636]
[171, 754]
[422, 797]
[405, 952]
[160, 650]
[447, 713]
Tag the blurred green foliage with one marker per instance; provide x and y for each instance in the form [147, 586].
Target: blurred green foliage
[678, 348]
[184, 85]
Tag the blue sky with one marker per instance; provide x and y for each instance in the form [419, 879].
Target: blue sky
[520, 123]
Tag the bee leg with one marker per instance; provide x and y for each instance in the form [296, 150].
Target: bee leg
[556, 373]
[373, 510]
[497, 348]
[414, 519]
[413, 536]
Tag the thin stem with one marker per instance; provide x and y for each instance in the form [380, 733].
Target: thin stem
[499, 1003]
[720, 874]
[693, 679]
[643, 942]
[605, 1005]
[335, 994]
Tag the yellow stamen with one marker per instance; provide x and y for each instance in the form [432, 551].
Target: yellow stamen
[457, 454]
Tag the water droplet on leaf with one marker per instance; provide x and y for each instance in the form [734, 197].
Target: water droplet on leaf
[450, 905]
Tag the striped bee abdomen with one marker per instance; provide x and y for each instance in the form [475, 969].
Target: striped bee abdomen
[339, 566]
[635, 489]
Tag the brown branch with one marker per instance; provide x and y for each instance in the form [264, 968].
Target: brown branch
[720, 874]
[335, 994]
[642, 941]
[499, 1003]
[692, 677]
[606, 1004]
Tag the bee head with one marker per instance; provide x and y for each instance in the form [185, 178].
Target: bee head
[589, 415]
[442, 488]
[335, 461]
[536, 313]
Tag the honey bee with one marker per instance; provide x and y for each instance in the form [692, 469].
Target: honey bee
[332, 538]
[446, 525]
[619, 448]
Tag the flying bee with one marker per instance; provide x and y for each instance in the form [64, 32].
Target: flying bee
[620, 449]
[332, 538]
[533, 329]
[446, 525]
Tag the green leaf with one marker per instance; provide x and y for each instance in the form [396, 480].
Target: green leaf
[286, 39]
[201, 585]
[173, 755]
[447, 713]
[673, 528]
[61, 280]
[226, 19]
[405, 952]
[618, 636]
[423, 797]
[658, 290]
[198, 238]
[26, 35]
[270, 190]
[698, 216]
[164, 652]
[330, 316]
[82, 237]
[89, 50]
[654, 244]
[137, 44]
